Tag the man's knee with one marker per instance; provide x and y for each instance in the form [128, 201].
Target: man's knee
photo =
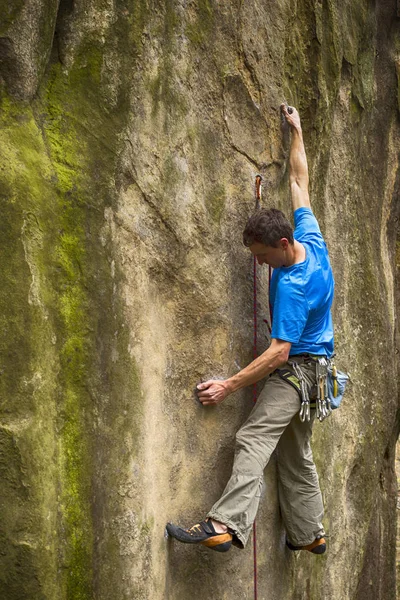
[244, 441]
[251, 455]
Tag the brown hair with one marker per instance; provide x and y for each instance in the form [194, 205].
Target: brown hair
[267, 226]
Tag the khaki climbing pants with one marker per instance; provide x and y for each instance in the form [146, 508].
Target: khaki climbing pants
[274, 423]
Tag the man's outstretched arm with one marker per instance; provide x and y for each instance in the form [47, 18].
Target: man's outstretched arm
[298, 168]
[215, 391]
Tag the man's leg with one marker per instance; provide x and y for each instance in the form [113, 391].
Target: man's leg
[299, 493]
[276, 406]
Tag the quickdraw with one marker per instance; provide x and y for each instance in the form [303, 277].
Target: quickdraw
[323, 403]
[305, 412]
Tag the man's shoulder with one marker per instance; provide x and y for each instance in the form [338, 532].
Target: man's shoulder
[293, 278]
[306, 225]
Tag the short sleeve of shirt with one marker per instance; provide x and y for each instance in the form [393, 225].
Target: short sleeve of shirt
[306, 225]
[291, 312]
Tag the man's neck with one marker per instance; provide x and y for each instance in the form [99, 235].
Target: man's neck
[295, 254]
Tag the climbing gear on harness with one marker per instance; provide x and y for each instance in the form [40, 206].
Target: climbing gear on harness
[323, 402]
[334, 380]
[202, 533]
[331, 384]
[297, 381]
[318, 546]
[305, 398]
[337, 381]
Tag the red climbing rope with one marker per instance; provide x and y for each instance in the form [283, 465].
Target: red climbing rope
[258, 201]
[269, 325]
[255, 400]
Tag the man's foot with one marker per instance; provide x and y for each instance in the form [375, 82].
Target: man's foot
[202, 533]
[318, 546]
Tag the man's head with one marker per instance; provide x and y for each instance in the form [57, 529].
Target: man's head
[269, 236]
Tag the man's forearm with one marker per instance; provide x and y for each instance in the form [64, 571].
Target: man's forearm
[262, 366]
[298, 168]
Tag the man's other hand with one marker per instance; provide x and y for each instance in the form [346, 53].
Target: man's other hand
[212, 392]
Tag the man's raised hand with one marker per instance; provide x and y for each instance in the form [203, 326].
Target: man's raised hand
[292, 118]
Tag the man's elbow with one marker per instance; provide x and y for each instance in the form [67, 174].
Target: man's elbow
[283, 355]
[298, 184]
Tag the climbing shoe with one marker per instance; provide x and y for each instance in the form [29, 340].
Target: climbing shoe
[318, 546]
[202, 533]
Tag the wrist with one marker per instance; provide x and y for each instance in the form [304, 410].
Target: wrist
[297, 131]
[229, 385]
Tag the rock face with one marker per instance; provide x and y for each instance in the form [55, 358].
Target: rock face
[131, 132]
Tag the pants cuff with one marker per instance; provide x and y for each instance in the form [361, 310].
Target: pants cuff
[241, 539]
[309, 540]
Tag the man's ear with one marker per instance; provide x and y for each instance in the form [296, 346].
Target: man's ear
[284, 243]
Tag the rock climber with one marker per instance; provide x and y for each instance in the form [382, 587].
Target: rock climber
[301, 295]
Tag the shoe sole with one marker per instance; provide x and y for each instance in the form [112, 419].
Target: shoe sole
[220, 543]
[317, 547]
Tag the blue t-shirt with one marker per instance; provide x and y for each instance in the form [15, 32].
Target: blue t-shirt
[301, 295]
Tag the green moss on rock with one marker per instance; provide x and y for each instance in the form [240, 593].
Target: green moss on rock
[163, 87]
[27, 359]
[9, 11]
[82, 135]
[215, 202]
[200, 30]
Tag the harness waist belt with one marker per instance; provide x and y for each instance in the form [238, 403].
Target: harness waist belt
[308, 354]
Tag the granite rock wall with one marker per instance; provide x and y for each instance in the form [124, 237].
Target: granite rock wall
[130, 135]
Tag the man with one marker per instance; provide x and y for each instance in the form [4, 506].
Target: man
[301, 295]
